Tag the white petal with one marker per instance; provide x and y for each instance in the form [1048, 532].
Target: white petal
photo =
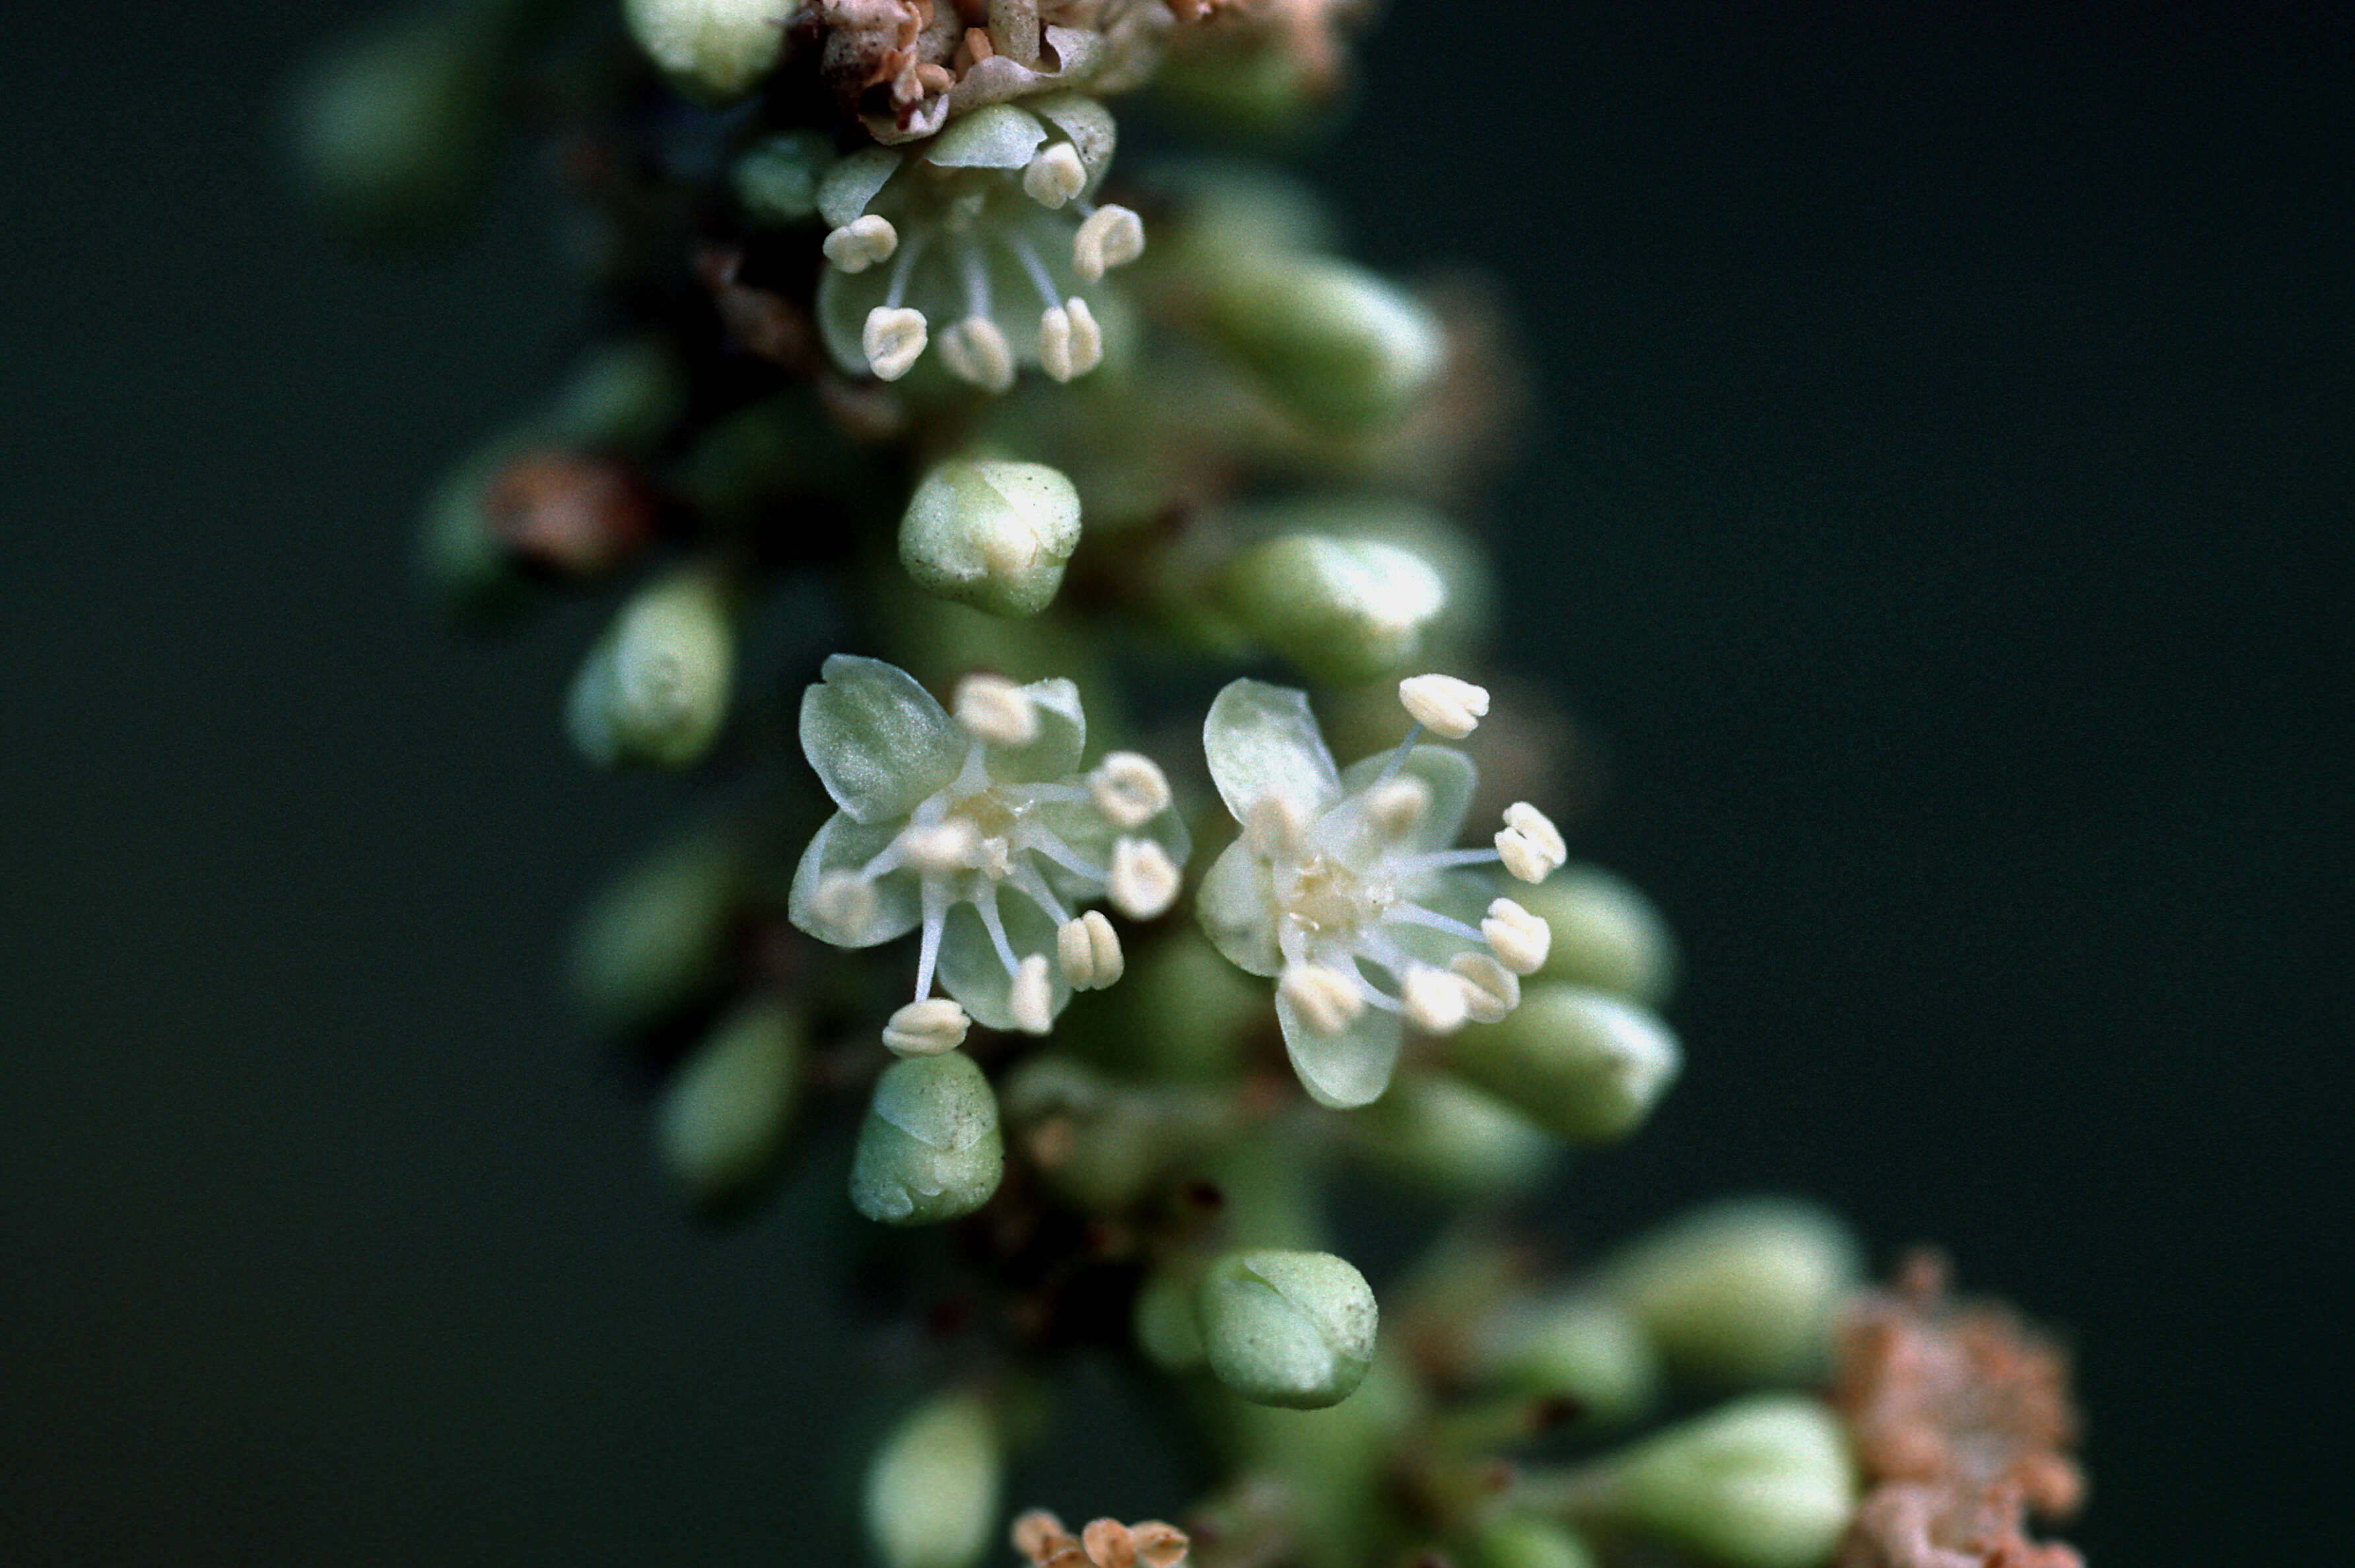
[1054, 751]
[840, 848]
[1345, 1070]
[1448, 774]
[1236, 906]
[1262, 740]
[970, 970]
[878, 740]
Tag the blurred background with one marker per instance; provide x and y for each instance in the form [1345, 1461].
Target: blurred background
[1943, 458]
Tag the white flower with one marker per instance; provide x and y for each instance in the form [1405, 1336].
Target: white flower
[942, 818]
[1343, 886]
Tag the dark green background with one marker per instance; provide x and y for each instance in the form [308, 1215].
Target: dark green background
[1944, 460]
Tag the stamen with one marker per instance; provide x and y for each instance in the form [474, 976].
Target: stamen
[940, 848]
[1536, 826]
[927, 1028]
[1395, 806]
[1111, 236]
[1070, 345]
[976, 279]
[1326, 1000]
[893, 341]
[1030, 1000]
[1055, 176]
[1435, 1001]
[993, 708]
[1491, 990]
[861, 242]
[902, 270]
[986, 904]
[1442, 860]
[1055, 849]
[1444, 705]
[1144, 880]
[935, 894]
[1522, 857]
[1024, 876]
[976, 352]
[1089, 949]
[844, 902]
[1040, 278]
[1129, 789]
[1519, 939]
[1415, 914]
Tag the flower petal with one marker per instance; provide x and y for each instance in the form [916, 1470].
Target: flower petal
[970, 968]
[1345, 1070]
[1062, 736]
[1236, 906]
[878, 740]
[1451, 777]
[1262, 741]
[845, 845]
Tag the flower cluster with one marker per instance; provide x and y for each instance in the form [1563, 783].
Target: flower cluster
[1338, 873]
[992, 227]
[940, 817]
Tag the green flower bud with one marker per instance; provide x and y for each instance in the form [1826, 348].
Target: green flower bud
[1584, 1066]
[654, 688]
[1606, 934]
[1523, 1540]
[724, 1116]
[776, 180]
[657, 939]
[711, 49]
[1343, 348]
[1342, 611]
[1164, 1322]
[1583, 1348]
[393, 131]
[461, 559]
[930, 1148]
[1437, 1133]
[1741, 1292]
[1097, 1144]
[1294, 1329]
[624, 397]
[933, 1489]
[1764, 1483]
[990, 534]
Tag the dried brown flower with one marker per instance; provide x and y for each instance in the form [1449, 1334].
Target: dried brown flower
[1103, 1543]
[568, 513]
[1961, 1418]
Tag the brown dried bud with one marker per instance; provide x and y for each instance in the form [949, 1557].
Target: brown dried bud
[569, 514]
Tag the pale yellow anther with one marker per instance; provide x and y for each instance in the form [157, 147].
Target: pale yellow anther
[1523, 858]
[933, 848]
[1111, 237]
[1273, 827]
[927, 1028]
[893, 340]
[1030, 1000]
[1536, 826]
[1055, 176]
[1491, 990]
[1326, 998]
[1519, 939]
[993, 708]
[861, 242]
[976, 352]
[1435, 1001]
[1129, 789]
[1089, 951]
[1142, 881]
[843, 902]
[1443, 705]
[1395, 806]
[1069, 343]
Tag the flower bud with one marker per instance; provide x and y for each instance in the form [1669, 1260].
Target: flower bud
[1164, 1323]
[1341, 347]
[777, 178]
[1294, 1329]
[1524, 1540]
[623, 397]
[990, 534]
[1435, 1133]
[656, 941]
[1343, 611]
[1764, 1483]
[1584, 1066]
[1606, 936]
[1742, 1292]
[724, 1116]
[930, 1148]
[393, 131]
[933, 1488]
[654, 689]
[1585, 1349]
[711, 49]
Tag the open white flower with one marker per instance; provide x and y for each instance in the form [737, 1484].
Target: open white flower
[942, 817]
[1341, 878]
